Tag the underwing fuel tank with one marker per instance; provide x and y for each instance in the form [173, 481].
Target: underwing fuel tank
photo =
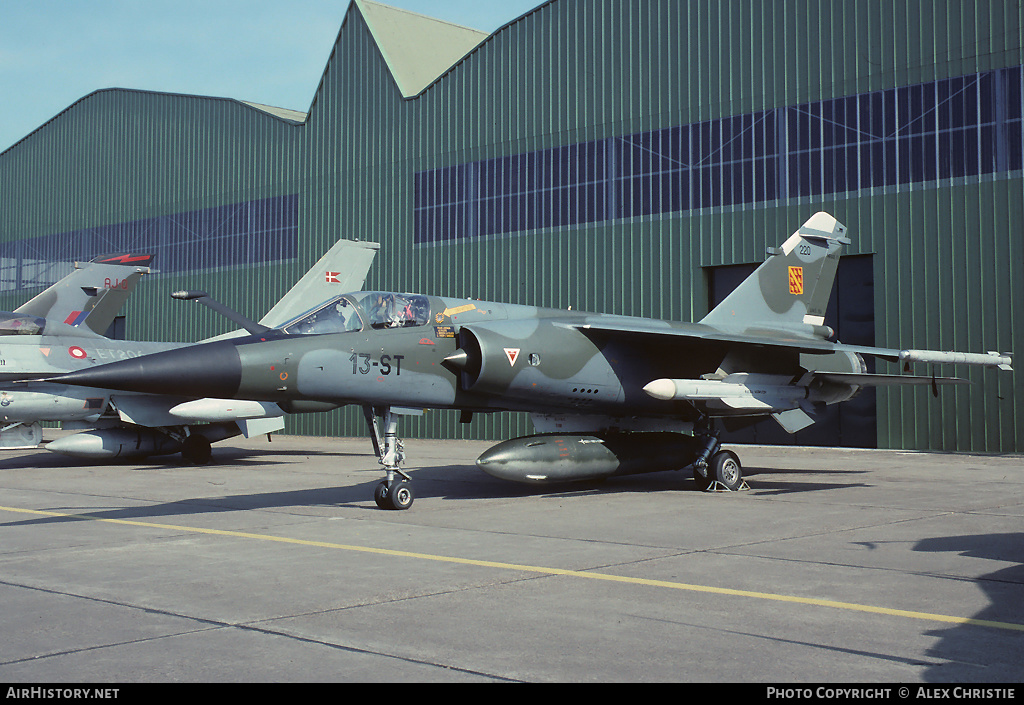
[551, 458]
[115, 443]
[225, 410]
[53, 402]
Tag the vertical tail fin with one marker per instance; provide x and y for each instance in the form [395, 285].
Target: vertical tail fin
[342, 269]
[93, 294]
[790, 291]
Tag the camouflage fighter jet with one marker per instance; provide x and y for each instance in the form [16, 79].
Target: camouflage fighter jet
[608, 394]
[60, 330]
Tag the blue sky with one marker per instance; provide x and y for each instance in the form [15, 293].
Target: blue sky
[53, 52]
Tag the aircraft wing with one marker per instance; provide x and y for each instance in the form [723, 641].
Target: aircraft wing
[707, 334]
[867, 379]
[796, 343]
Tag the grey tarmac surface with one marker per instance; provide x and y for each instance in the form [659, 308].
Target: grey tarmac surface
[274, 564]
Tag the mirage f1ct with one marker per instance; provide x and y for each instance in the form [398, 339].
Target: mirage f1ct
[609, 395]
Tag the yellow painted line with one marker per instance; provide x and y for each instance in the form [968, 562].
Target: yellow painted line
[543, 570]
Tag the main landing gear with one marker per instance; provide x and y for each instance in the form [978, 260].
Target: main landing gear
[195, 449]
[716, 469]
[394, 492]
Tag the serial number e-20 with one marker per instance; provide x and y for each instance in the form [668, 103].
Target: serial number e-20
[364, 362]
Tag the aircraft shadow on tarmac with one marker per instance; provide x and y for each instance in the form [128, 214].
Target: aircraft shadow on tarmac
[454, 482]
[966, 651]
[468, 482]
[771, 481]
[222, 456]
[312, 497]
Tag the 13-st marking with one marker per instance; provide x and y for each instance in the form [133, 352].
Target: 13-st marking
[364, 362]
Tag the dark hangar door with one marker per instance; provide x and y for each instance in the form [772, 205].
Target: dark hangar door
[851, 312]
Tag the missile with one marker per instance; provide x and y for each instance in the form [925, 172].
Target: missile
[551, 458]
[225, 410]
[743, 393]
[990, 359]
[115, 443]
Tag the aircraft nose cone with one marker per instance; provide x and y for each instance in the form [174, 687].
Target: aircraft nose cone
[209, 370]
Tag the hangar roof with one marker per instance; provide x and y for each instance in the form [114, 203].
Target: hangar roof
[418, 49]
[283, 113]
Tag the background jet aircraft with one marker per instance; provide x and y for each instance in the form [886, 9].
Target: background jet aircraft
[609, 395]
[128, 424]
[45, 335]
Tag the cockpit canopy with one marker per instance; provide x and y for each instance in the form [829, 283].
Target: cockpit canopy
[351, 312]
[20, 324]
[387, 310]
[336, 316]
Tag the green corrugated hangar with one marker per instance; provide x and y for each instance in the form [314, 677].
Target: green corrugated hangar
[623, 156]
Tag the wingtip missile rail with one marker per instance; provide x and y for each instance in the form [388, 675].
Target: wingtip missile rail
[1003, 361]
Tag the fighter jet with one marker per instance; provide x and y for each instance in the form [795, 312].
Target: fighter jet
[47, 335]
[608, 394]
[59, 330]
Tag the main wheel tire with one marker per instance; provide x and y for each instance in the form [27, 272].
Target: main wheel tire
[725, 468]
[196, 449]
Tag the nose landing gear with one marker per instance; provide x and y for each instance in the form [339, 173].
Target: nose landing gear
[395, 491]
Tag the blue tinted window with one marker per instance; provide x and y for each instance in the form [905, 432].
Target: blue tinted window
[1014, 103]
[1015, 148]
[987, 90]
[944, 129]
[252, 232]
[989, 157]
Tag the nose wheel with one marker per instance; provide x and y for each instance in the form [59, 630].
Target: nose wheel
[398, 496]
